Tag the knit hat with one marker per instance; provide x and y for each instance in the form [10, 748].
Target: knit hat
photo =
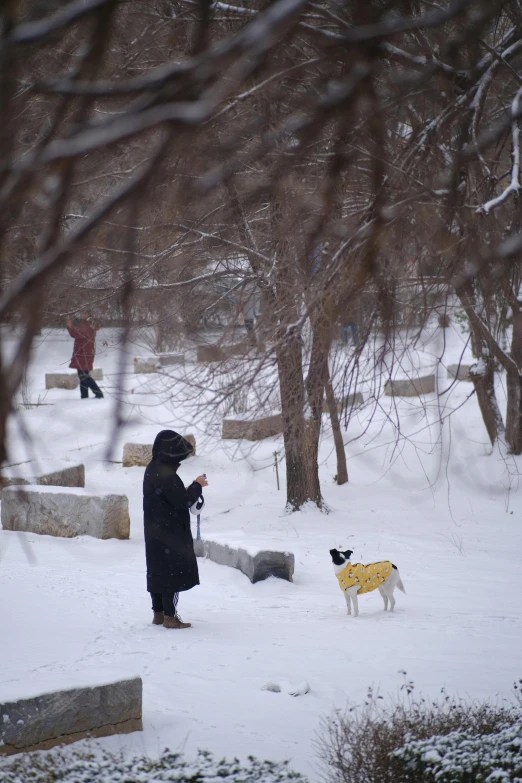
[169, 446]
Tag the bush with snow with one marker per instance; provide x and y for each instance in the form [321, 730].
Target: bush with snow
[412, 739]
[73, 766]
[465, 757]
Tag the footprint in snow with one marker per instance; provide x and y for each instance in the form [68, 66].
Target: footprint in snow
[285, 686]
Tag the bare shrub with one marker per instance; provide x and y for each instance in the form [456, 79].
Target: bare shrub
[357, 746]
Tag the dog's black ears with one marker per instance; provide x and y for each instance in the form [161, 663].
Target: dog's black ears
[333, 551]
[348, 553]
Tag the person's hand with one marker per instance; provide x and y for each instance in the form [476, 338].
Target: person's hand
[202, 480]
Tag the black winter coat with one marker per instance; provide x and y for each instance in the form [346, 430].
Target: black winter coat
[169, 548]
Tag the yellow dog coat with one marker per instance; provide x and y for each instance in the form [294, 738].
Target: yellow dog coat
[368, 576]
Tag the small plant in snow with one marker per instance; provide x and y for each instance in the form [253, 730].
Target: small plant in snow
[84, 767]
[465, 757]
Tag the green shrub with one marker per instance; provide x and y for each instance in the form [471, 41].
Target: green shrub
[359, 744]
[74, 766]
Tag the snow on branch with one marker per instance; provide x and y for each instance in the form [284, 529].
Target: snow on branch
[514, 185]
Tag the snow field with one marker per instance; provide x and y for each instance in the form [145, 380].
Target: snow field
[444, 518]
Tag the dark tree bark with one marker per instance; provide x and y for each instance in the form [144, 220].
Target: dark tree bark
[342, 470]
[513, 383]
[483, 348]
[302, 475]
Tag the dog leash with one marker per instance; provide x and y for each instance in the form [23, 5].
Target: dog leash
[198, 505]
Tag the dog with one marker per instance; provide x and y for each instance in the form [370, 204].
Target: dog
[357, 578]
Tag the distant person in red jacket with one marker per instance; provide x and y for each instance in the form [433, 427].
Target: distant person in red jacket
[84, 333]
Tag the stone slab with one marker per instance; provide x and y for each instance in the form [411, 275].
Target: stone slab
[146, 364]
[257, 567]
[248, 429]
[65, 512]
[72, 476]
[170, 359]
[237, 349]
[66, 715]
[211, 353]
[68, 380]
[461, 372]
[140, 454]
[412, 387]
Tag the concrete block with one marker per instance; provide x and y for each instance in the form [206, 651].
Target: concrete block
[140, 454]
[243, 350]
[211, 353]
[146, 364]
[169, 359]
[65, 715]
[136, 454]
[65, 512]
[238, 349]
[68, 380]
[414, 387]
[350, 401]
[72, 476]
[461, 372]
[257, 567]
[258, 429]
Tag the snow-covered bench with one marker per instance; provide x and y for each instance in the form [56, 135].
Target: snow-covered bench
[169, 359]
[68, 380]
[461, 372]
[211, 353]
[237, 349]
[65, 511]
[71, 476]
[140, 454]
[257, 567]
[411, 387]
[43, 711]
[146, 364]
[248, 429]
[149, 364]
[219, 353]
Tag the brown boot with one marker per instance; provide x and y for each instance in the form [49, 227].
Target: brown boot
[174, 622]
[158, 618]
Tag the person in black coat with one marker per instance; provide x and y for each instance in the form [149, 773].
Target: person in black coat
[169, 547]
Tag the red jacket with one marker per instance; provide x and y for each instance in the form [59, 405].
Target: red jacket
[84, 345]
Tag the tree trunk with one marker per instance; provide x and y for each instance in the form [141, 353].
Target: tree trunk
[514, 413]
[302, 474]
[342, 470]
[282, 303]
[513, 383]
[487, 399]
[484, 382]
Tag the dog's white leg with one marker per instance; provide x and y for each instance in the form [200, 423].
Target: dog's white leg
[353, 592]
[392, 599]
[347, 599]
[384, 597]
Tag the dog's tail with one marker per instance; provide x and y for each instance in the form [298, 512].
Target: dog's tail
[400, 585]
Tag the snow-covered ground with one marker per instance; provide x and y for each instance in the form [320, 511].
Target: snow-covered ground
[435, 503]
